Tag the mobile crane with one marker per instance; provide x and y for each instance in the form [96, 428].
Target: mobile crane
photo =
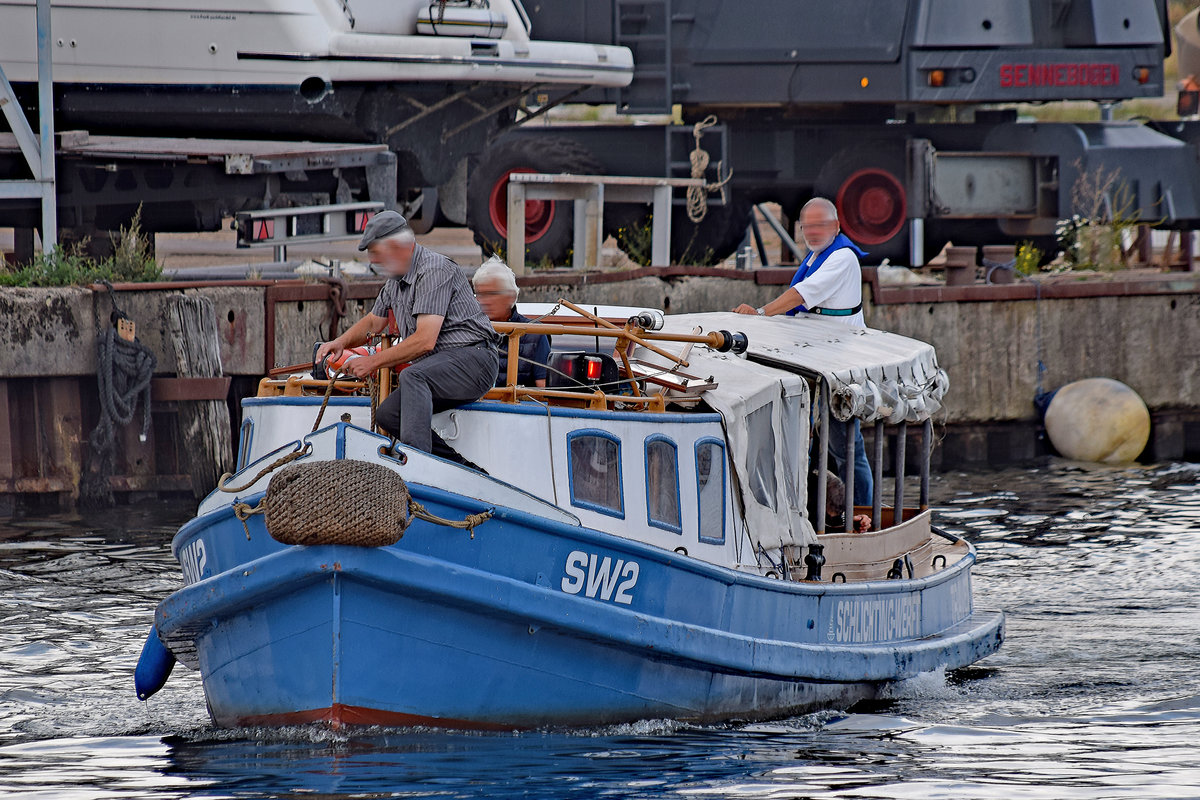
[902, 112]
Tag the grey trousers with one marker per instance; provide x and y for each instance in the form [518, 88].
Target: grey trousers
[447, 379]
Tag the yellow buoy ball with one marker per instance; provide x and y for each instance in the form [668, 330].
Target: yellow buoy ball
[1098, 419]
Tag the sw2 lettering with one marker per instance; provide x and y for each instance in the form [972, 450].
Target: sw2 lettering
[193, 559]
[596, 577]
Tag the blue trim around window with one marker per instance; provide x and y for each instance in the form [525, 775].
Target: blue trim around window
[658, 523]
[699, 532]
[245, 438]
[619, 512]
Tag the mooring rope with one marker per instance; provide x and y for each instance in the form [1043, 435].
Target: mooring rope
[276, 464]
[123, 371]
[243, 511]
[697, 196]
[325, 401]
[374, 387]
[467, 523]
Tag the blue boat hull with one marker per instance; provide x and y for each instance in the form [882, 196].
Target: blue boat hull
[494, 630]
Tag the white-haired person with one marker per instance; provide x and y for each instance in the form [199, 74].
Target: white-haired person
[496, 290]
[829, 283]
[445, 337]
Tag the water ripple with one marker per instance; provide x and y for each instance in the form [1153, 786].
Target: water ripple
[1094, 695]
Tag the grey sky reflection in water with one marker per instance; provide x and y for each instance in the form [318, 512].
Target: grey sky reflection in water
[1095, 693]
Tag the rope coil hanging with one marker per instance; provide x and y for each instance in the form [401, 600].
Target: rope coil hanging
[697, 196]
[123, 373]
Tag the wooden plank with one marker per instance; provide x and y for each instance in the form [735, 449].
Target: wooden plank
[36, 486]
[605, 180]
[151, 483]
[136, 458]
[6, 443]
[131, 147]
[25, 408]
[205, 438]
[169, 390]
[63, 442]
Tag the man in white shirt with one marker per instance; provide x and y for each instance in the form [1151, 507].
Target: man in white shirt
[829, 283]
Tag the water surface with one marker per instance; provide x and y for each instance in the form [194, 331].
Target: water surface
[1096, 693]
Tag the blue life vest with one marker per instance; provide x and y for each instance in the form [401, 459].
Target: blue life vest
[815, 261]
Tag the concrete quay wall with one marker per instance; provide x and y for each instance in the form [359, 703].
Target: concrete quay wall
[1143, 331]
[1140, 329]
[260, 324]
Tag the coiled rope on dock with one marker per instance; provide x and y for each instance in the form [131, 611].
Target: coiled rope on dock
[124, 369]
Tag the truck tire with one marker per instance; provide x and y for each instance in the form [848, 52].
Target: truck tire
[872, 202]
[549, 224]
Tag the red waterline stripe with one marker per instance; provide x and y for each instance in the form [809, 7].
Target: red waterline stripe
[339, 715]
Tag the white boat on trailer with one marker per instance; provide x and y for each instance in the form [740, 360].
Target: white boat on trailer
[316, 69]
[640, 547]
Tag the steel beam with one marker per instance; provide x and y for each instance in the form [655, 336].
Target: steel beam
[20, 126]
[46, 123]
[39, 151]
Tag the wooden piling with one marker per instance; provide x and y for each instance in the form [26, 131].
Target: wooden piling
[205, 439]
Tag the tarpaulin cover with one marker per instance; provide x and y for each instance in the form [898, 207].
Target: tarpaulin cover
[872, 375]
[765, 401]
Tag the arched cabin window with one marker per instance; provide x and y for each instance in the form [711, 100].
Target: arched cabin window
[710, 490]
[594, 470]
[662, 484]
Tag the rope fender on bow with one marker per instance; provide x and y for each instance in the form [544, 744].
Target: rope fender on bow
[342, 502]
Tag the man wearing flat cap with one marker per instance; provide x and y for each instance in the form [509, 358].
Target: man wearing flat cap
[446, 337]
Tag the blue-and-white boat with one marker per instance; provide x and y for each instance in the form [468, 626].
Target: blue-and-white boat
[629, 557]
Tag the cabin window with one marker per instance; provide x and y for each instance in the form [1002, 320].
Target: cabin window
[662, 484]
[594, 469]
[761, 435]
[244, 445]
[710, 489]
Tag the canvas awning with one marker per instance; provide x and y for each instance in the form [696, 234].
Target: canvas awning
[872, 375]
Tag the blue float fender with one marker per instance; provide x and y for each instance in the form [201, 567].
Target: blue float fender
[154, 666]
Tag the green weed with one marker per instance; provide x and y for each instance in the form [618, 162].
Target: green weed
[132, 261]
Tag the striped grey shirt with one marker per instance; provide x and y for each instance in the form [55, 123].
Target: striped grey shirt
[435, 285]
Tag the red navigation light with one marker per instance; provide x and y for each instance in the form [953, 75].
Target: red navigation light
[361, 218]
[262, 229]
[937, 77]
[593, 368]
[1188, 103]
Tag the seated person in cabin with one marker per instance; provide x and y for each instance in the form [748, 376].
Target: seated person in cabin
[496, 290]
[447, 341]
[835, 505]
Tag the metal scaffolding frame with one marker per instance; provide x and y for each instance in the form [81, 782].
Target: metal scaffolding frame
[38, 150]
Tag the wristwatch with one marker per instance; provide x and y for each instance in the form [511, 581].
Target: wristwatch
[760, 311]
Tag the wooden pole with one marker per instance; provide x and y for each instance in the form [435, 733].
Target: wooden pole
[205, 440]
[714, 339]
[626, 333]
[514, 355]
